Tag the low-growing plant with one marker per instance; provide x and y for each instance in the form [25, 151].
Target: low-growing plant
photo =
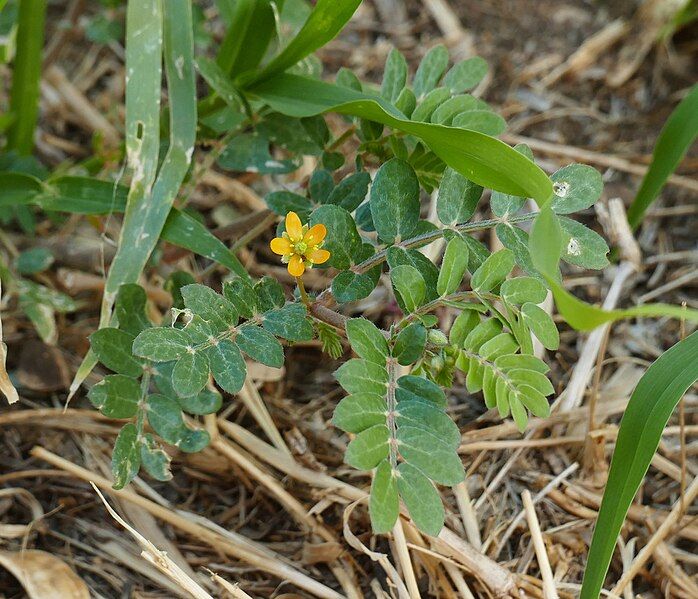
[358, 216]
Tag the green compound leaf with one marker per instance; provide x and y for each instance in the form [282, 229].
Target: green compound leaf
[362, 376]
[367, 340]
[431, 419]
[260, 345]
[342, 238]
[454, 106]
[116, 396]
[206, 401]
[645, 417]
[360, 411]
[465, 75]
[165, 418]
[576, 187]
[398, 256]
[410, 343]
[209, 305]
[34, 261]
[431, 102]
[484, 121]
[457, 198]
[523, 289]
[541, 324]
[283, 202]
[421, 499]
[503, 204]
[464, 323]
[368, 448]
[516, 239]
[270, 294]
[130, 308]
[394, 75]
[417, 388]
[431, 454]
[155, 459]
[430, 70]
[190, 374]
[384, 505]
[582, 246]
[126, 457]
[113, 349]
[289, 322]
[453, 266]
[350, 192]
[227, 365]
[409, 286]
[161, 344]
[493, 271]
[349, 286]
[394, 201]
[240, 293]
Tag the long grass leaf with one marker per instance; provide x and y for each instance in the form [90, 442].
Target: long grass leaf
[84, 195]
[675, 138]
[648, 412]
[545, 244]
[147, 211]
[26, 73]
[325, 21]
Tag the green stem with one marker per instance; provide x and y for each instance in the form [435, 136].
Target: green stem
[26, 73]
[391, 401]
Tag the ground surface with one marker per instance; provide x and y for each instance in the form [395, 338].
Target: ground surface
[248, 489]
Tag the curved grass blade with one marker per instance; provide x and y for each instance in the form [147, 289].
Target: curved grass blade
[84, 195]
[26, 73]
[675, 138]
[479, 157]
[326, 20]
[545, 244]
[648, 412]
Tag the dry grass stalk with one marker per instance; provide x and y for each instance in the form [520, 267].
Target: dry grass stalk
[549, 591]
[158, 558]
[240, 548]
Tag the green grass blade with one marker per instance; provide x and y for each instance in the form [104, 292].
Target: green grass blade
[481, 158]
[147, 211]
[545, 244]
[26, 73]
[325, 21]
[144, 33]
[84, 195]
[252, 27]
[675, 138]
[648, 412]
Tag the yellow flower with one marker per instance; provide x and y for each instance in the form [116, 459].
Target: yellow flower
[299, 246]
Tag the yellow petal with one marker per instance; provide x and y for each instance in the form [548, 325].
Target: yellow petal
[318, 256]
[294, 228]
[315, 234]
[296, 267]
[280, 246]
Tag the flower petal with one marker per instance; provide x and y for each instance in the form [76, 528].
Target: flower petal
[318, 256]
[296, 267]
[294, 228]
[315, 234]
[280, 246]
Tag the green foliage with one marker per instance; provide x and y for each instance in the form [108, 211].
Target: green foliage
[648, 412]
[265, 111]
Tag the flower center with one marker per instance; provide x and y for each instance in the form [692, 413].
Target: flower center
[301, 247]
